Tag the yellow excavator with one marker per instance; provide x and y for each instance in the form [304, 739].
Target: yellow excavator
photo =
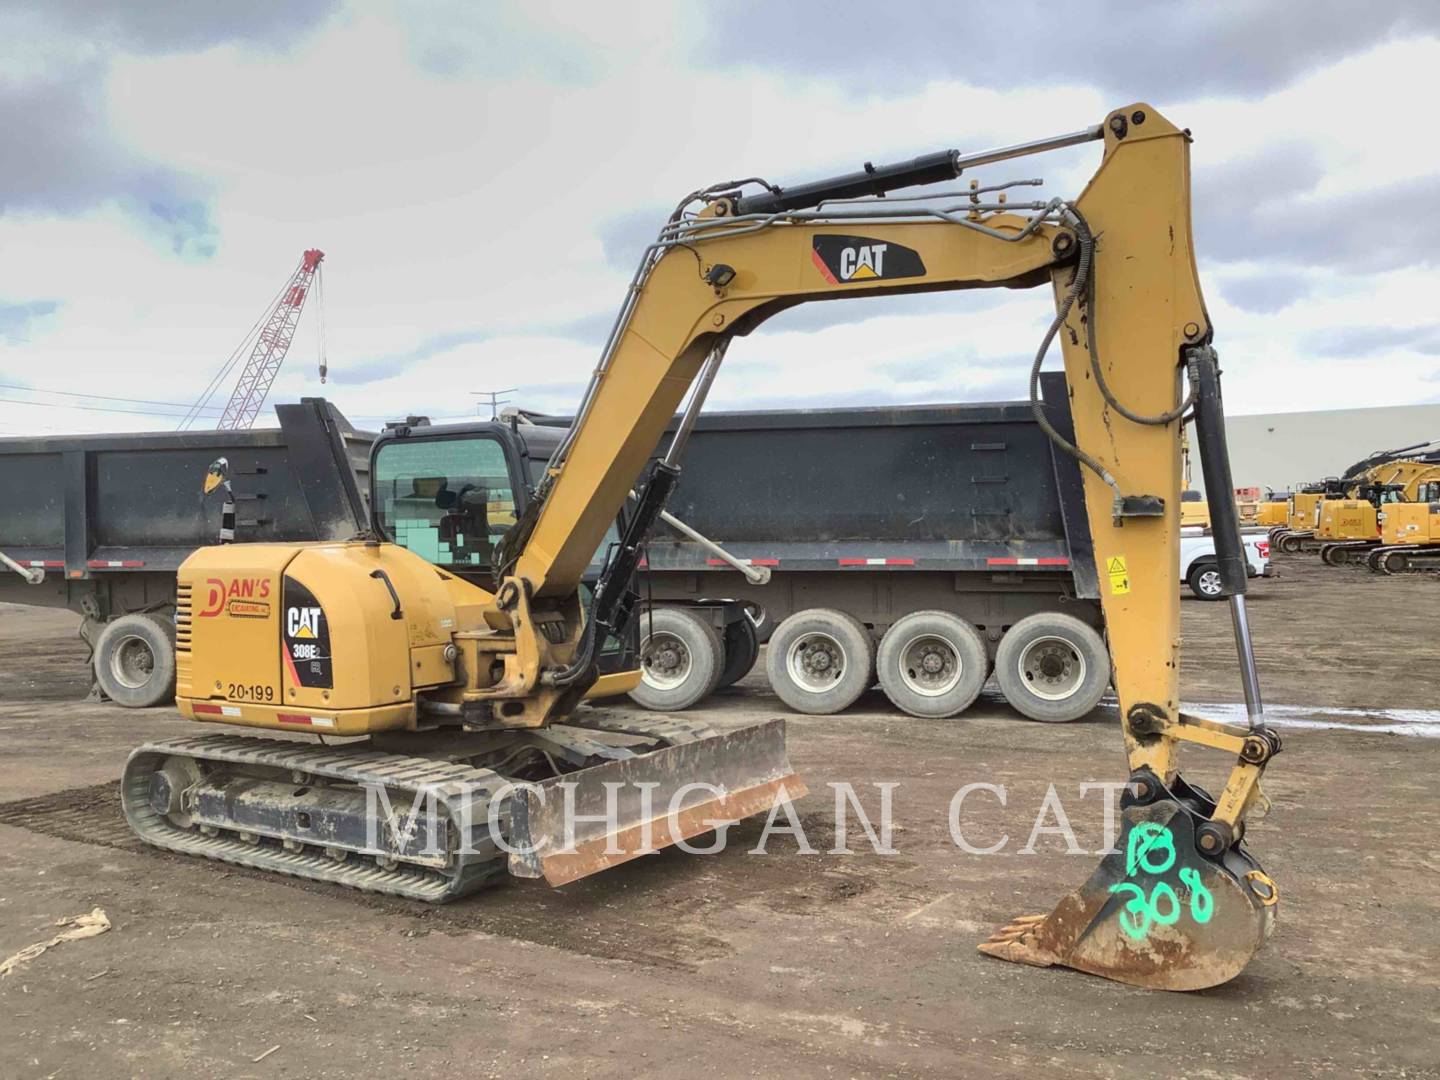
[1348, 529]
[469, 700]
[1366, 480]
[1409, 534]
[1273, 512]
[1302, 515]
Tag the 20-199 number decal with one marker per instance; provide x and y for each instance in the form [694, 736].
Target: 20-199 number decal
[251, 692]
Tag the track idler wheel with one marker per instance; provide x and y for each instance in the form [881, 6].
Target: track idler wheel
[1158, 912]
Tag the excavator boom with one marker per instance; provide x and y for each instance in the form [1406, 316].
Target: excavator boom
[1133, 328]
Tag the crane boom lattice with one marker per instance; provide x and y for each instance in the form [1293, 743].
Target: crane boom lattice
[270, 347]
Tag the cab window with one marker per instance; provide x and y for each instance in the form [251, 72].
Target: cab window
[447, 500]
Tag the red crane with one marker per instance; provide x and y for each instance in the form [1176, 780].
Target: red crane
[267, 353]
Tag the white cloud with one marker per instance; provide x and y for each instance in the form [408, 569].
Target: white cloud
[465, 201]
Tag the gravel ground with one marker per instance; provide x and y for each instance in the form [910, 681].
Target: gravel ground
[740, 964]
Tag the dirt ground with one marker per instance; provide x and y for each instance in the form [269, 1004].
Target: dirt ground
[756, 965]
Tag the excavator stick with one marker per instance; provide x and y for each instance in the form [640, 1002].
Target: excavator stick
[1156, 912]
[567, 828]
[1180, 904]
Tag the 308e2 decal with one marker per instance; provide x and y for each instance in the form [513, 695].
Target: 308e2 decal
[305, 638]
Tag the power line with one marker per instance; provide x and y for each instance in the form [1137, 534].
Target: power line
[88, 408]
[99, 397]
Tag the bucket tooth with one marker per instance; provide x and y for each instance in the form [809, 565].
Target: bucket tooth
[1156, 912]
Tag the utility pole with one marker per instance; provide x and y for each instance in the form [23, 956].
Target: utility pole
[495, 400]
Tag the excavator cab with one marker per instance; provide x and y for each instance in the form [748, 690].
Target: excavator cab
[451, 492]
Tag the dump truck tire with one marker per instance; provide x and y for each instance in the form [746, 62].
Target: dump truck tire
[932, 664]
[681, 657]
[135, 660]
[1052, 667]
[742, 649]
[820, 660]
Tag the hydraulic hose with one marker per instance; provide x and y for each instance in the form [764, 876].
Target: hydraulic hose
[1082, 276]
[1087, 241]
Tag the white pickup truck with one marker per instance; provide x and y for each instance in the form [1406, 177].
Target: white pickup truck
[1197, 561]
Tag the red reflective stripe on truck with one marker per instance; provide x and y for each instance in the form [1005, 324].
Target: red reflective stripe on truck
[114, 564]
[745, 562]
[876, 562]
[47, 564]
[212, 710]
[1027, 562]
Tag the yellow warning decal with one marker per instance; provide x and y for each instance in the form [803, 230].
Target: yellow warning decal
[1119, 574]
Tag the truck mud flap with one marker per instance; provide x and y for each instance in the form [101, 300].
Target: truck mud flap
[576, 825]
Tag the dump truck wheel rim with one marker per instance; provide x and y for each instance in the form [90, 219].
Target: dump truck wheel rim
[815, 661]
[929, 665]
[666, 662]
[1052, 668]
[1209, 582]
[132, 664]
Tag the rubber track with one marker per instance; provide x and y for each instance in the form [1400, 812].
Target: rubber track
[1427, 554]
[451, 784]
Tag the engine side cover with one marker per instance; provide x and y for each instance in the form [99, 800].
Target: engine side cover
[307, 636]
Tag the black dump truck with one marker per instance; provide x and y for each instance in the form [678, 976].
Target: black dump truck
[925, 547]
[100, 523]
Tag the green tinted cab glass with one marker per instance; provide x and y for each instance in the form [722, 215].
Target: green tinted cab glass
[447, 500]
[450, 500]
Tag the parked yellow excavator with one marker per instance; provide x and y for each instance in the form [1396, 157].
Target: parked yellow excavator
[460, 691]
[1409, 534]
[1369, 480]
[1302, 516]
[1348, 529]
[1273, 512]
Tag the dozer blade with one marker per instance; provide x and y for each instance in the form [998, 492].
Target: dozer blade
[1156, 913]
[572, 826]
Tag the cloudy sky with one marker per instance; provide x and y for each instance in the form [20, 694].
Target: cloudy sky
[483, 177]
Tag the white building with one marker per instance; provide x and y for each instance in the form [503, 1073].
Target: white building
[1278, 450]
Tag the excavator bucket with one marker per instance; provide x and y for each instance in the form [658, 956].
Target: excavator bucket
[580, 823]
[1156, 912]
